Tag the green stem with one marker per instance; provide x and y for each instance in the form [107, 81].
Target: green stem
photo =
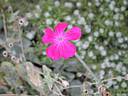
[88, 69]
[5, 27]
[21, 44]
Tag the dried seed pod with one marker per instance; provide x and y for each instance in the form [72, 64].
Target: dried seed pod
[13, 58]
[5, 53]
[107, 94]
[23, 21]
[85, 93]
[10, 45]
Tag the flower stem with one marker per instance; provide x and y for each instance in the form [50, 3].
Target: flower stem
[88, 69]
[113, 78]
[21, 43]
[5, 27]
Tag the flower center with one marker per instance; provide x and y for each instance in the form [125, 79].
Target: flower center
[59, 38]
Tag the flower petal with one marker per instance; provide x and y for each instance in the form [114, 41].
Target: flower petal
[67, 50]
[48, 36]
[53, 52]
[74, 33]
[60, 27]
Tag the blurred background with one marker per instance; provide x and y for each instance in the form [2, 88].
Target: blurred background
[103, 45]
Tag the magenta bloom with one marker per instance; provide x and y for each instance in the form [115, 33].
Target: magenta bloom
[60, 46]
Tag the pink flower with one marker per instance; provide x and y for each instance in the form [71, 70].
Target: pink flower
[60, 46]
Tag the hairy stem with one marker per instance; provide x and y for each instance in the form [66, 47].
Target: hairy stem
[88, 69]
[113, 78]
[21, 43]
[5, 27]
